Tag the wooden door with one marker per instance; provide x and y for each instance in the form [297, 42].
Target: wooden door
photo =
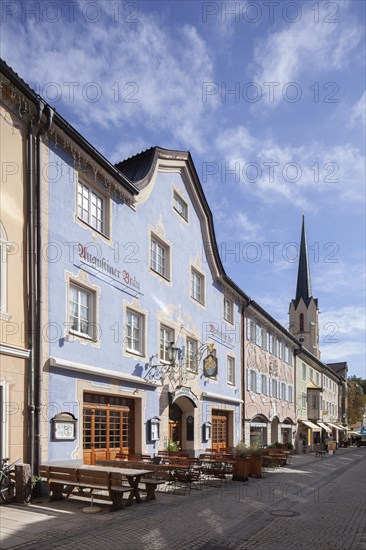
[175, 431]
[107, 427]
[220, 425]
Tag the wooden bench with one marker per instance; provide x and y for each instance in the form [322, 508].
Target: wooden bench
[64, 480]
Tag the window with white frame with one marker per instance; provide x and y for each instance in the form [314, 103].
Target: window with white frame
[290, 394]
[134, 332]
[197, 286]
[228, 310]
[283, 391]
[81, 310]
[290, 356]
[274, 389]
[264, 384]
[230, 370]
[303, 400]
[317, 378]
[267, 340]
[280, 349]
[252, 382]
[251, 328]
[263, 338]
[311, 374]
[191, 354]
[180, 206]
[286, 354]
[3, 270]
[258, 335]
[303, 371]
[270, 343]
[91, 207]
[166, 338]
[160, 257]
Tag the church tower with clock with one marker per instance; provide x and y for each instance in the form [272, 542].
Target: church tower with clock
[304, 322]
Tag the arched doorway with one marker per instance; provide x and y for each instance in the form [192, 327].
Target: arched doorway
[175, 423]
[275, 437]
[286, 431]
[182, 420]
[258, 430]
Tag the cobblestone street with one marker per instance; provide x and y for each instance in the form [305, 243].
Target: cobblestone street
[312, 503]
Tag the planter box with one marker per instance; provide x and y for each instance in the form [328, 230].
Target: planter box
[241, 469]
[255, 466]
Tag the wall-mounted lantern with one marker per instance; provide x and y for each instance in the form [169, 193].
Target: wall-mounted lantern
[63, 427]
[206, 431]
[154, 429]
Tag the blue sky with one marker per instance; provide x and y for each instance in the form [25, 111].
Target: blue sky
[269, 99]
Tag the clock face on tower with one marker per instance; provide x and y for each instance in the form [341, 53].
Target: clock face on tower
[210, 366]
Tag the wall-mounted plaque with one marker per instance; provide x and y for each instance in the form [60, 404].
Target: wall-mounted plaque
[64, 427]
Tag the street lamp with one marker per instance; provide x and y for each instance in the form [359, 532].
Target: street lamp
[172, 353]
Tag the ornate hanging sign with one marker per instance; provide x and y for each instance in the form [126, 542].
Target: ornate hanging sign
[210, 366]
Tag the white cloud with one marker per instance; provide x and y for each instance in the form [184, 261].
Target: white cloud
[358, 112]
[343, 351]
[307, 45]
[144, 75]
[273, 172]
[337, 276]
[337, 322]
[247, 229]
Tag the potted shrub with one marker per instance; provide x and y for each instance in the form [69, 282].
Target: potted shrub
[241, 464]
[255, 461]
[40, 488]
[173, 448]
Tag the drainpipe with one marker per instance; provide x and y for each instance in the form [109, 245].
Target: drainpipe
[243, 362]
[243, 368]
[43, 128]
[32, 301]
[36, 128]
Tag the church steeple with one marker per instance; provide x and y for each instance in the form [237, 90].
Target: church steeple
[303, 288]
[304, 323]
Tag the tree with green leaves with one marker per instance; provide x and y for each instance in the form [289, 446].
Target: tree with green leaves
[356, 400]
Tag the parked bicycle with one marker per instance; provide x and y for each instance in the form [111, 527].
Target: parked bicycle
[7, 483]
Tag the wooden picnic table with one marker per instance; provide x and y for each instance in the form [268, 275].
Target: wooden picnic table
[133, 477]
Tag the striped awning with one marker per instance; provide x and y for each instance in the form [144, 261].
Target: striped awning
[325, 427]
[311, 425]
[335, 427]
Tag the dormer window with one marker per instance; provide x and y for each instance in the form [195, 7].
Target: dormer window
[180, 206]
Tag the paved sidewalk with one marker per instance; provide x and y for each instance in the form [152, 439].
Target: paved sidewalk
[312, 503]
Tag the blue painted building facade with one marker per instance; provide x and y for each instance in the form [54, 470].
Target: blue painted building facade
[145, 328]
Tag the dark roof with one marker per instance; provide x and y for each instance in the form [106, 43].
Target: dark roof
[303, 288]
[138, 166]
[59, 121]
[338, 367]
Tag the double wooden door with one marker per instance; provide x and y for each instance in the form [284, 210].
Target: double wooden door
[108, 423]
[220, 430]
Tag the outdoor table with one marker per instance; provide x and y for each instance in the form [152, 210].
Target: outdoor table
[133, 477]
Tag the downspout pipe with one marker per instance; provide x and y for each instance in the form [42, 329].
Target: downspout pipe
[44, 126]
[32, 298]
[244, 370]
[243, 384]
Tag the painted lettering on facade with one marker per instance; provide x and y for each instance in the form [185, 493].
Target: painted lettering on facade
[103, 265]
[220, 335]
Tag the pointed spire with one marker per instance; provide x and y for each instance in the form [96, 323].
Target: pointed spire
[303, 289]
